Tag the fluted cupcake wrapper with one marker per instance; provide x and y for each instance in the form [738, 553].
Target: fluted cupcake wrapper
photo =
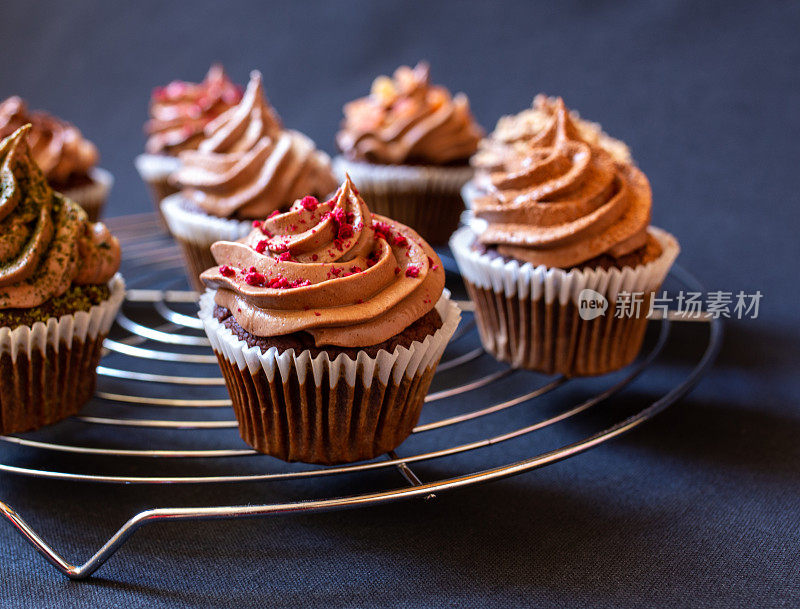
[195, 232]
[529, 316]
[469, 191]
[48, 370]
[318, 410]
[428, 199]
[155, 169]
[92, 197]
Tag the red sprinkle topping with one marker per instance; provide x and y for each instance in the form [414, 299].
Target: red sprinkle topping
[355, 269]
[338, 215]
[412, 271]
[261, 246]
[256, 224]
[309, 203]
[314, 257]
[399, 240]
[226, 271]
[255, 278]
[397, 270]
[273, 214]
[345, 231]
[285, 256]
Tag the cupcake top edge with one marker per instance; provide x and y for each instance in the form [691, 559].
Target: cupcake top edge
[514, 131]
[248, 165]
[406, 120]
[57, 146]
[180, 111]
[332, 269]
[47, 243]
[562, 199]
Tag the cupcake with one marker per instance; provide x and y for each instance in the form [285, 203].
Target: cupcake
[408, 146]
[516, 134]
[68, 160]
[178, 114]
[247, 167]
[328, 322]
[561, 238]
[59, 294]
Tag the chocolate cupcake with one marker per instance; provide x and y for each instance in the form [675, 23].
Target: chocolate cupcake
[558, 224]
[408, 146]
[68, 160]
[59, 294]
[328, 322]
[179, 113]
[247, 167]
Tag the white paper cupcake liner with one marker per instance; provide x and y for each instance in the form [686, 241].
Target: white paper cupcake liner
[200, 228]
[524, 280]
[383, 367]
[156, 167]
[469, 191]
[82, 325]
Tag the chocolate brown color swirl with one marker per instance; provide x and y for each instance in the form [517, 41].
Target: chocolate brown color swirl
[347, 277]
[46, 242]
[406, 120]
[564, 200]
[180, 111]
[58, 147]
[248, 165]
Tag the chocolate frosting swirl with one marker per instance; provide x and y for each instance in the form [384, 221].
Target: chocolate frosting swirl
[180, 111]
[57, 146]
[564, 200]
[333, 269]
[46, 241]
[249, 165]
[515, 134]
[406, 120]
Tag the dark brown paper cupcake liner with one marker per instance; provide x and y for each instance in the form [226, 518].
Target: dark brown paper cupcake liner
[428, 199]
[552, 337]
[48, 370]
[321, 424]
[197, 258]
[433, 215]
[45, 387]
[529, 315]
[92, 197]
[317, 410]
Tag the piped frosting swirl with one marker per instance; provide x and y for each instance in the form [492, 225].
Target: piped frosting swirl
[46, 241]
[180, 111]
[407, 120]
[248, 165]
[562, 200]
[58, 147]
[515, 134]
[333, 269]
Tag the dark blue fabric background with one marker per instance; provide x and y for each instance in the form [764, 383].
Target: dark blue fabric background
[698, 508]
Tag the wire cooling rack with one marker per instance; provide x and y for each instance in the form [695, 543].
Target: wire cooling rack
[157, 326]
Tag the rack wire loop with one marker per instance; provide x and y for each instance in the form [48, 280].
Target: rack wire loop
[168, 336]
